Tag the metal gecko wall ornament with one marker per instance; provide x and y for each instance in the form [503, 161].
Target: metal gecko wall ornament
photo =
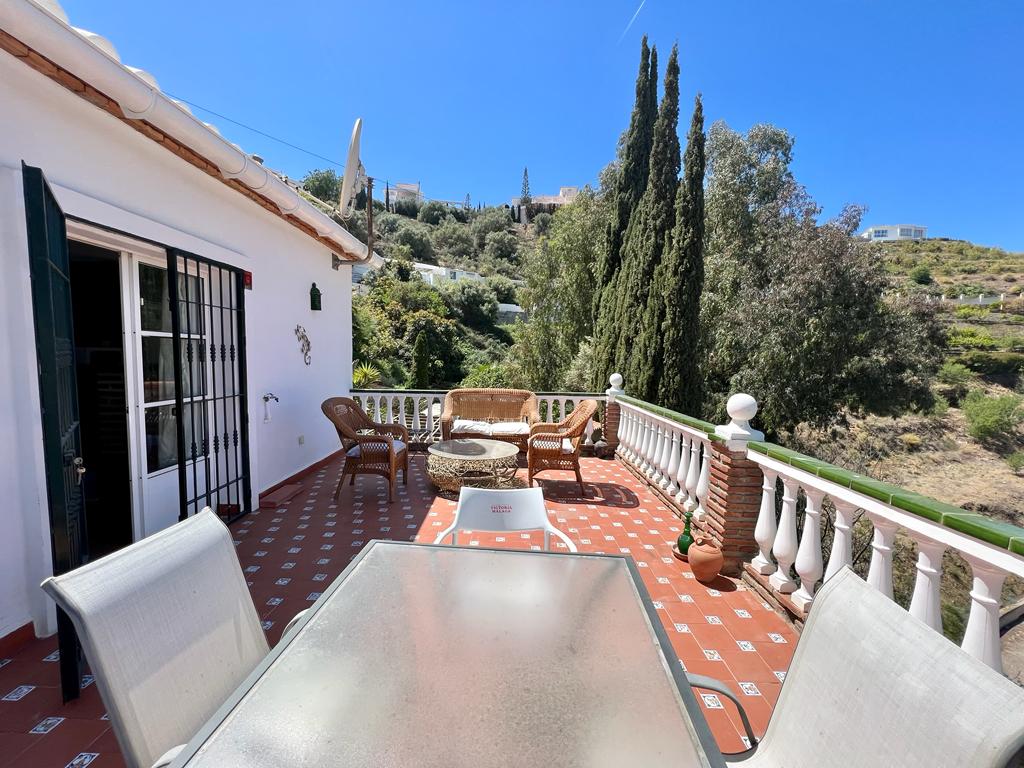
[304, 343]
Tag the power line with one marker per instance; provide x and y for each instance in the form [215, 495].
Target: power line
[257, 130]
[281, 141]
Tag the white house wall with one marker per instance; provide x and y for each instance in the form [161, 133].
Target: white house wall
[104, 171]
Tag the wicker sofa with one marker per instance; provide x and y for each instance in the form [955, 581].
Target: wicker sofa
[496, 414]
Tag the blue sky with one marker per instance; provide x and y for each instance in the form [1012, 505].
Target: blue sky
[915, 109]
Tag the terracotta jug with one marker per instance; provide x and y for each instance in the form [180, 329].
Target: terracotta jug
[706, 559]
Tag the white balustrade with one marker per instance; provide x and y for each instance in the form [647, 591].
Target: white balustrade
[926, 604]
[672, 485]
[419, 411]
[776, 537]
[693, 475]
[766, 527]
[880, 569]
[684, 467]
[842, 538]
[981, 638]
[785, 547]
[666, 458]
[808, 557]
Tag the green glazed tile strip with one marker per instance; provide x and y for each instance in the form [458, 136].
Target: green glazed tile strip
[1003, 535]
[679, 418]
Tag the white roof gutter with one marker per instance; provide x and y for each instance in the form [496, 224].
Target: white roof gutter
[94, 59]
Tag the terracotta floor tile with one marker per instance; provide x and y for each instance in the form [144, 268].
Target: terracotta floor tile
[618, 514]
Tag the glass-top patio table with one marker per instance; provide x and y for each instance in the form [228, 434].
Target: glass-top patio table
[423, 655]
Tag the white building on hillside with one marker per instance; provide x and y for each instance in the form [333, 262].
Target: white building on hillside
[159, 290]
[403, 192]
[882, 232]
[565, 196]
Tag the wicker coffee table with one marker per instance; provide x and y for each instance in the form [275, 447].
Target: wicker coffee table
[452, 464]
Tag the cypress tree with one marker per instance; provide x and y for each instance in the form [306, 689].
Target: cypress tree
[680, 386]
[629, 187]
[420, 362]
[646, 239]
[524, 195]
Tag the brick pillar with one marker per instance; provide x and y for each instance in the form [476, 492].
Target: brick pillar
[732, 506]
[610, 428]
[734, 487]
[612, 413]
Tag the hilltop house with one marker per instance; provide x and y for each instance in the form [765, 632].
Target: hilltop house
[543, 203]
[884, 232]
[143, 257]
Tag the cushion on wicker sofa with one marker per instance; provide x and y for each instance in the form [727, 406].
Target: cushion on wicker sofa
[498, 429]
[354, 450]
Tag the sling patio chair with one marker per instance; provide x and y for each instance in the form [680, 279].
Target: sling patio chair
[557, 446]
[370, 448]
[871, 686]
[489, 509]
[169, 630]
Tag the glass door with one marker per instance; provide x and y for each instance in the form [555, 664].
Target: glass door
[159, 358]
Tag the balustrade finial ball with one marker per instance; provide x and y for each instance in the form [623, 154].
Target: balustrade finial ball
[741, 407]
[615, 380]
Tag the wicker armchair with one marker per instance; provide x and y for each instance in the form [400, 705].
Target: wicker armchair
[370, 448]
[557, 446]
[496, 414]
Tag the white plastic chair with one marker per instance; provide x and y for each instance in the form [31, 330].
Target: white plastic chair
[870, 686]
[169, 630]
[486, 509]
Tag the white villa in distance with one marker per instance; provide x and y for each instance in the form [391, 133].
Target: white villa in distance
[160, 285]
[884, 232]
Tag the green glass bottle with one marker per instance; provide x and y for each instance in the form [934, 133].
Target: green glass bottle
[685, 539]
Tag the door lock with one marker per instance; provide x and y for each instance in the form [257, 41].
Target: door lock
[79, 469]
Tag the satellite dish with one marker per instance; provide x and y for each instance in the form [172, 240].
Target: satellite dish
[355, 175]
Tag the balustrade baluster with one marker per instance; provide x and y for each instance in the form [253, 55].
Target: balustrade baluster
[666, 458]
[417, 415]
[653, 471]
[703, 480]
[766, 528]
[808, 556]
[981, 638]
[631, 431]
[692, 476]
[672, 486]
[431, 421]
[645, 445]
[880, 570]
[926, 604]
[785, 546]
[684, 466]
[842, 539]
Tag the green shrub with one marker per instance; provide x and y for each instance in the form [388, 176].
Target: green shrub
[993, 363]
[921, 275]
[992, 419]
[432, 213]
[940, 407]
[970, 312]
[1016, 460]
[365, 376]
[971, 338]
[408, 208]
[954, 374]
[910, 441]
[542, 223]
